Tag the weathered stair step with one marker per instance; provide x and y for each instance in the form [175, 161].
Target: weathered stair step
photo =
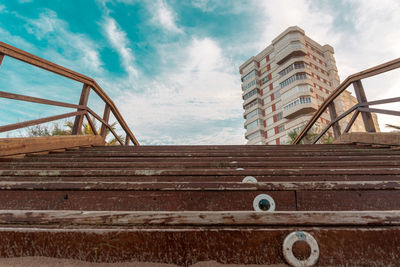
[363, 195]
[360, 238]
[377, 170]
[23, 165]
[64, 158]
[222, 154]
[201, 178]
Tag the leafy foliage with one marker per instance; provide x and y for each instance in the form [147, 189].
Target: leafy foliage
[311, 135]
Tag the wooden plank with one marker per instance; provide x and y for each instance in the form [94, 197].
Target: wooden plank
[14, 146]
[339, 246]
[19, 125]
[189, 218]
[362, 98]
[77, 128]
[39, 100]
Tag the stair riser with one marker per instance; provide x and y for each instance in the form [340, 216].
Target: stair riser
[358, 246]
[189, 200]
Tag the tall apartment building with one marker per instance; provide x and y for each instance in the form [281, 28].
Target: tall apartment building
[284, 85]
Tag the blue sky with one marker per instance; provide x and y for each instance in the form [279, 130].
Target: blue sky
[172, 66]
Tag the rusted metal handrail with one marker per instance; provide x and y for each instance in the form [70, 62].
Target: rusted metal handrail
[82, 109]
[362, 106]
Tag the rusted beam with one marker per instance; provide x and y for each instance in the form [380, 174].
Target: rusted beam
[19, 125]
[77, 128]
[379, 102]
[91, 124]
[106, 124]
[351, 122]
[382, 111]
[106, 117]
[362, 98]
[333, 115]
[39, 100]
[1, 58]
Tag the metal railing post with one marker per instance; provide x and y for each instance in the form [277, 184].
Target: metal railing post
[333, 115]
[82, 101]
[362, 98]
[106, 117]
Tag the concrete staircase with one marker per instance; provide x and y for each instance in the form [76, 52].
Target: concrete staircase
[184, 204]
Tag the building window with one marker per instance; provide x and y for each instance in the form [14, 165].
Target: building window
[253, 113]
[297, 76]
[249, 85]
[248, 76]
[252, 103]
[279, 116]
[296, 65]
[298, 101]
[254, 124]
[281, 128]
[265, 80]
[251, 93]
[255, 135]
[270, 133]
[295, 90]
[269, 121]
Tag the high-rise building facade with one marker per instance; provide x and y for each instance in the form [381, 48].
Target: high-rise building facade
[284, 85]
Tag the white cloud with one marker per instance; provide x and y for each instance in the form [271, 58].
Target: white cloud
[164, 16]
[119, 41]
[76, 48]
[197, 93]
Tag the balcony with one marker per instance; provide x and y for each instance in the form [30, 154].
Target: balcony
[298, 107]
[294, 49]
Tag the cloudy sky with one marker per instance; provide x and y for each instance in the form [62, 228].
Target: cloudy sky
[172, 66]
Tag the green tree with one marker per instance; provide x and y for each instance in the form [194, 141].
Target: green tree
[310, 136]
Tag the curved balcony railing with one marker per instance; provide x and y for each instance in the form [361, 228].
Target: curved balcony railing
[82, 110]
[361, 107]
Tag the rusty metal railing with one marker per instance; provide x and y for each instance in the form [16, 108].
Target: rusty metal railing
[361, 107]
[82, 110]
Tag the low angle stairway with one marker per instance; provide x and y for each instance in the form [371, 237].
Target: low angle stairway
[184, 204]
